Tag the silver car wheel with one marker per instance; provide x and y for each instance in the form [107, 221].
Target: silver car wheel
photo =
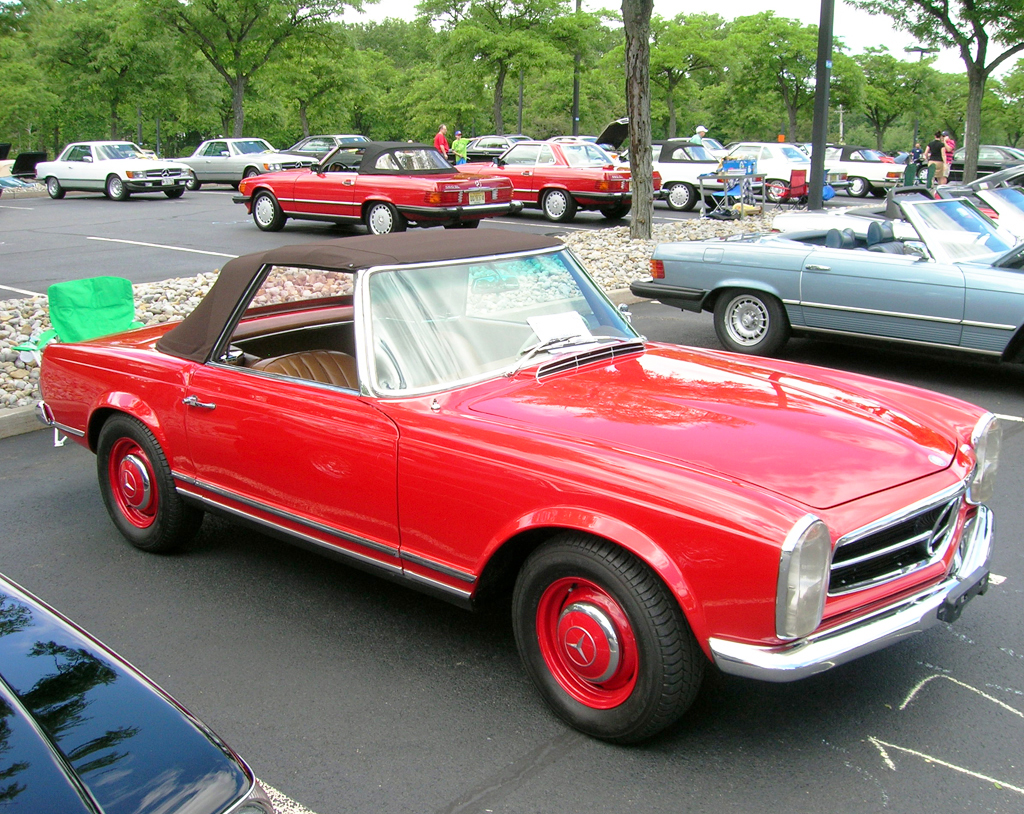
[681, 197]
[859, 187]
[116, 189]
[381, 219]
[747, 321]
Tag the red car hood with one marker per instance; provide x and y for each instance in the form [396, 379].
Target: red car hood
[802, 439]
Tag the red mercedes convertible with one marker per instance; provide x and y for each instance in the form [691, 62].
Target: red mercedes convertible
[561, 178]
[385, 185]
[469, 413]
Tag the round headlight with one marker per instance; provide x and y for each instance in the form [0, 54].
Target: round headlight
[987, 440]
[803, 578]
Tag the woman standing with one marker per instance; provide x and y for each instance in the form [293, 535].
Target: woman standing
[935, 154]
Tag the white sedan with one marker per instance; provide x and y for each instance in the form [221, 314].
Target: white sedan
[116, 168]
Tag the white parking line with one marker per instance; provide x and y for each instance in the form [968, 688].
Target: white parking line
[160, 246]
[20, 291]
[284, 804]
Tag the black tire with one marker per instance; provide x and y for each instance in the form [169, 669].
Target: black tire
[681, 197]
[465, 224]
[251, 172]
[751, 322]
[577, 584]
[174, 193]
[558, 206]
[774, 189]
[267, 213]
[616, 212]
[878, 193]
[859, 187]
[115, 188]
[382, 218]
[138, 489]
[54, 189]
[192, 185]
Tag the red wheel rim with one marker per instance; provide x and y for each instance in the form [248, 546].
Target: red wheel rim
[133, 483]
[587, 642]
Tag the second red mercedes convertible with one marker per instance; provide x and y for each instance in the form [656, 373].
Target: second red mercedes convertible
[385, 185]
[468, 413]
[561, 178]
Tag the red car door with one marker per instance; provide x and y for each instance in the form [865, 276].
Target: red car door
[313, 459]
[330, 193]
[520, 167]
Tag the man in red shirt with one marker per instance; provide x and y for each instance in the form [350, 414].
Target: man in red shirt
[441, 140]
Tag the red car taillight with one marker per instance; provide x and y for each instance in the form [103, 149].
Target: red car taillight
[612, 183]
[438, 198]
[657, 269]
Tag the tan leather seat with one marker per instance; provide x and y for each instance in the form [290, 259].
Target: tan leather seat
[327, 366]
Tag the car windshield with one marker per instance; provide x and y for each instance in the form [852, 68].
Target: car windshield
[955, 230]
[125, 149]
[253, 145]
[435, 326]
[585, 155]
[1009, 203]
[794, 154]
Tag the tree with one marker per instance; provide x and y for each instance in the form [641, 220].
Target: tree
[892, 88]
[636, 19]
[970, 27]
[238, 38]
[1010, 92]
[681, 47]
[500, 35]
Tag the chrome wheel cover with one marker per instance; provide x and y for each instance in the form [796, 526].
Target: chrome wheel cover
[555, 204]
[264, 210]
[380, 219]
[747, 320]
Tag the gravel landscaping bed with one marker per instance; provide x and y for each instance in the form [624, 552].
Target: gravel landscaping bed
[611, 257]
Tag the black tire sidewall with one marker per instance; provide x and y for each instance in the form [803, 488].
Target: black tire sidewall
[175, 523]
[570, 206]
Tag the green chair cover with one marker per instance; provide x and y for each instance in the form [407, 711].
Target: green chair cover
[85, 309]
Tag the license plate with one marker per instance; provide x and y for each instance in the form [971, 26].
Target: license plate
[167, 182]
[477, 197]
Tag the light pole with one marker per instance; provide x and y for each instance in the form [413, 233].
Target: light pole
[921, 51]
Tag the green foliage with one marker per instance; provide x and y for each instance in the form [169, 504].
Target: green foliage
[78, 69]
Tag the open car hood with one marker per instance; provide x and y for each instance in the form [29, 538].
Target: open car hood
[615, 133]
[802, 439]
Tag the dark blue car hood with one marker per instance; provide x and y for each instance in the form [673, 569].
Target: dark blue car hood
[77, 721]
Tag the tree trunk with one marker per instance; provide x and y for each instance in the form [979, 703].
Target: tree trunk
[671, 109]
[499, 97]
[237, 106]
[976, 77]
[636, 18]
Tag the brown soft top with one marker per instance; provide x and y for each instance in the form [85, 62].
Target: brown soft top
[196, 335]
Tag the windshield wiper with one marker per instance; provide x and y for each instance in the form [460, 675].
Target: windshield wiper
[556, 342]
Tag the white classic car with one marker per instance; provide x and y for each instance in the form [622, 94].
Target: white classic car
[681, 163]
[229, 160]
[116, 168]
[777, 161]
[866, 169]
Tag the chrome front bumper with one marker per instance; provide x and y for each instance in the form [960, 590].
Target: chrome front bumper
[822, 651]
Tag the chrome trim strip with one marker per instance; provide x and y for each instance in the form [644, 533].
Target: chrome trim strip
[447, 570]
[880, 337]
[874, 312]
[909, 542]
[436, 585]
[315, 541]
[971, 324]
[311, 524]
[819, 652]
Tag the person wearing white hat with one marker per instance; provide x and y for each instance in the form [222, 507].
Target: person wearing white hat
[698, 137]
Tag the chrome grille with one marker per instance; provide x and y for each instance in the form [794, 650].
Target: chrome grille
[895, 546]
[601, 354]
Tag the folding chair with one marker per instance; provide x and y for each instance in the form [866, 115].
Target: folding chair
[796, 192]
[84, 309]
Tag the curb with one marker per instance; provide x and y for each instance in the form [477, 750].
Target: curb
[18, 420]
[17, 193]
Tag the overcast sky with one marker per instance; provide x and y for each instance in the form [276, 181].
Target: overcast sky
[858, 29]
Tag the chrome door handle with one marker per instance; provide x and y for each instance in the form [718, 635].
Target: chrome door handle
[192, 401]
[813, 267]
[528, 172]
